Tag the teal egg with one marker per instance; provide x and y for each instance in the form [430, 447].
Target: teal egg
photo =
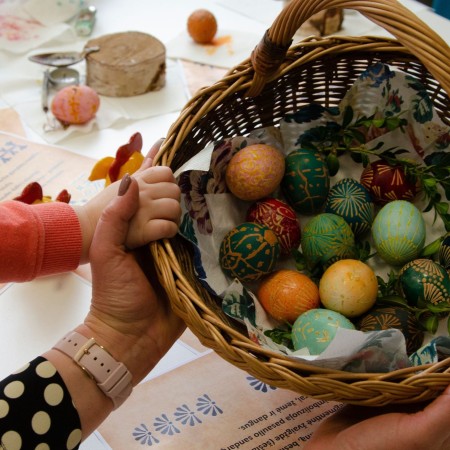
[425, 283]
[306, 181]
[398, 232]
[316, 328]
[349, 199]
[444, 252]
[249, 251]
[327, 238]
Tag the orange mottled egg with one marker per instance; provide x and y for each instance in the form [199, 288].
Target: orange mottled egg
[255, 172]
[75, 105]
[285, 294]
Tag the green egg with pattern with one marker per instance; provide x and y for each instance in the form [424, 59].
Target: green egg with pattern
[248, 252]
[350, 199]
[327, 238]
[399, 232]
[316, 328]
[306, 181]
[425, 284]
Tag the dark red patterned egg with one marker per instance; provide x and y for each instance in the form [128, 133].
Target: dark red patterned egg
[387, 183]
[280, 218]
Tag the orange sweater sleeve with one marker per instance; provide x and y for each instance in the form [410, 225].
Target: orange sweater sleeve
[37, 240]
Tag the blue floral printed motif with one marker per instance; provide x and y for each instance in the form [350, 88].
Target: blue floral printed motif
[144, 436]
[208, 406]
[165, 425]
[258, 385]
[378, 73]
[187, 417]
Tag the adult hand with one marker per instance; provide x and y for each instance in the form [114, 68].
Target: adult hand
[129, 315]
[407, 427]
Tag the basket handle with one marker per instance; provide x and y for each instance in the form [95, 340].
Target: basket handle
[409, 30]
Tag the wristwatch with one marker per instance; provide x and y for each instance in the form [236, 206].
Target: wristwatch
[112, 377]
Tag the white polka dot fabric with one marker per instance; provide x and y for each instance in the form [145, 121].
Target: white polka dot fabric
[36, 410]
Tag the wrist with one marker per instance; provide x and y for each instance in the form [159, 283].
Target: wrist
[111, 376]
[136, 353]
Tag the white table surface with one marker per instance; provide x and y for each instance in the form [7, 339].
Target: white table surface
[36, 314]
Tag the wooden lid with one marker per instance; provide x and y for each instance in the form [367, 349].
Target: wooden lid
[125, 49]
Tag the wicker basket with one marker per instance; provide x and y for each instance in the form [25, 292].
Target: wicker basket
[257, 93]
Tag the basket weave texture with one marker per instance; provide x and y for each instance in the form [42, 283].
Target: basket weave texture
[278, 79]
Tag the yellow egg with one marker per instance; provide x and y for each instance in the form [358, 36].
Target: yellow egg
[255, 172]
[349, 287]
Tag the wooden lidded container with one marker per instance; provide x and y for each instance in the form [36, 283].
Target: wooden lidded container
[127, 64]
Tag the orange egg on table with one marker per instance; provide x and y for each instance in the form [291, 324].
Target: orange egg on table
[255, 172]
[202, 26]
[75, 105]
[348, 286]
[285, 294]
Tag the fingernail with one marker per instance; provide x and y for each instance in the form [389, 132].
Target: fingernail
[124, 184]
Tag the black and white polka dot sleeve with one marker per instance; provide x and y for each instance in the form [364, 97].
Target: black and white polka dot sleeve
[36, 410]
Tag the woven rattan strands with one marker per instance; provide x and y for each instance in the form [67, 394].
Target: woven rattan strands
[257, 93]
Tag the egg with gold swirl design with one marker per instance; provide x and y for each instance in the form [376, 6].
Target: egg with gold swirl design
[248, 252]
[425, 284]
[327, 238]
[394, 317]
[350, 199]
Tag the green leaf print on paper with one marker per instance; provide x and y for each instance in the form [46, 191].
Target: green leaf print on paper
[239, 306]
[422, 107]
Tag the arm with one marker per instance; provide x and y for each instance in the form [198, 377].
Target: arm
[129, 316]
[37, 240]
[54, 237]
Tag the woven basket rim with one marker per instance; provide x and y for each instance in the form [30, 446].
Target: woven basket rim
[407, 385]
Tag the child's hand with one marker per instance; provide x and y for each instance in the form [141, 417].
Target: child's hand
[159, 209]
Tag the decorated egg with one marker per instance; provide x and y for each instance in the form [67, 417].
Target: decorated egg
[249, 251]
[425, 283]
[387, 183]
[254, 172]
[398, 232]
[280, 218]
[350, 199]
[327, 238]
[316, 328]
[75, 104]
[394, 317]
[444, 252]
[348, 286]
[306, 181]
[285, 294]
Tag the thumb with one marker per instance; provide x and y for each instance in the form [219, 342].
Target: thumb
[113, 225]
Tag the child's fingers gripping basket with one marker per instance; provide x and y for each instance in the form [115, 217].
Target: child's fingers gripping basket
[257, 93]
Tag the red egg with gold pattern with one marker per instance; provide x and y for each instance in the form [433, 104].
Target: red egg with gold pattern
[280, 218]
[387, 183]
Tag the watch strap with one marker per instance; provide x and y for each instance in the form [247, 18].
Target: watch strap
[112, 377]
